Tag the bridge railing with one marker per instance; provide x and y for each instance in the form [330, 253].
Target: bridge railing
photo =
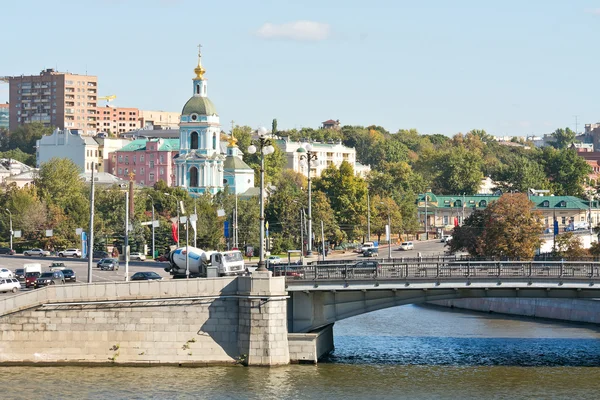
[442, 270]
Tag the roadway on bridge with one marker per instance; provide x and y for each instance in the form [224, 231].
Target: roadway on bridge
[80, 266]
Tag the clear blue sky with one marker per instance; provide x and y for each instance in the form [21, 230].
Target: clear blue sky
[509, 67]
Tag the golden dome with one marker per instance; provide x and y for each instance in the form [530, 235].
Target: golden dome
[232, 141]
[199, 71]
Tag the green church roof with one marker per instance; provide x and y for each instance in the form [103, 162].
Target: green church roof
[200, 106]
[140, 145]
[235, 163]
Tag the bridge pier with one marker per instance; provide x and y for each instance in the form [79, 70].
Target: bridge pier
[262, 331]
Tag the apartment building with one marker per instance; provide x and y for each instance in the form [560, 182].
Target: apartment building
[159, 119]
[117, 120]
[333, 153]
[4, 111]
[57, 99]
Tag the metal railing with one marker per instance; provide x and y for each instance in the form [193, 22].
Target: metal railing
[440, 270]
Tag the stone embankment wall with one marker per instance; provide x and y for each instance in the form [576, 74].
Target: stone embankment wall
[189, 322]
[573, 310]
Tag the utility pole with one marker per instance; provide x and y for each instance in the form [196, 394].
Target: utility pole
[389, 232]
[126, 242]
[91, 233]
[368, 216]
[323, 239]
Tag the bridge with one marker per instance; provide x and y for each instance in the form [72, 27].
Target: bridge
[323, 294]
[253, 320]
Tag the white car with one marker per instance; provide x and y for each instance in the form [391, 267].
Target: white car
[5, 273]
[446, 239]
[70, 253]
[137, 256]
[273, 260]
[10, 285]
[36, 252]
[407, 246]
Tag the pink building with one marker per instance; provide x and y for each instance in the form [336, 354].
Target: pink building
[149, 160]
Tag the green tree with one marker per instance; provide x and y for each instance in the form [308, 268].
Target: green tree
[569, 246]
[274, 127]
[563, 138]
[566, 170]
[19, 155]
[459, 171]
[25, 137]
[520, 175]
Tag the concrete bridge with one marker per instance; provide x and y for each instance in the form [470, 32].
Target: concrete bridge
[255, 320]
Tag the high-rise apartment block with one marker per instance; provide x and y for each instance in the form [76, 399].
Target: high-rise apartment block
[56, 99]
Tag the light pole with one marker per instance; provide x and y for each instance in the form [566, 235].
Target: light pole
[262, 144]
[10, 228]
[426, 233]
[389, 230]
[306, 156]
[153, 248]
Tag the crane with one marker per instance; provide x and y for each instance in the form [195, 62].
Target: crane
[108, 98]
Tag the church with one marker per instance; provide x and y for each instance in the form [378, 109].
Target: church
[201, 165]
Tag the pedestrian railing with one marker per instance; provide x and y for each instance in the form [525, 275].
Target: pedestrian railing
[441, 270]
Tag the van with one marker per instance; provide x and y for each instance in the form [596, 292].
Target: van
[32, 267]
[366, 246]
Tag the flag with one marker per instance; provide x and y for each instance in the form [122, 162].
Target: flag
[174, 231]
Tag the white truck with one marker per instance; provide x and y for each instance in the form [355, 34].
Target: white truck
[32, 267]
[227, 263]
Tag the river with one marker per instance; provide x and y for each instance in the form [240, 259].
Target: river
[409, 352]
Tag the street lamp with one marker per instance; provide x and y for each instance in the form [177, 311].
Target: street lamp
[389, 230]
[10, 227]
[262, 144]
[426, 232]
[153, 248]
[306, 156]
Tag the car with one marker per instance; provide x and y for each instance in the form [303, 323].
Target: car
[20, 274]
[362, 268]
[5, 273]
[137, 256]
[36, 252]
[70, 253]
[57, 266]
[10, 285]
[273, 260]
[69, 275]
[146, 276]
[446, 239]
[162, 258]
[407, 246]
[30, 278]
[109, 264]
[371, 252]
[50, 278]
[100, 254]
[7, 250]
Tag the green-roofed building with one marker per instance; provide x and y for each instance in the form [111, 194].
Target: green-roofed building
[444, 212]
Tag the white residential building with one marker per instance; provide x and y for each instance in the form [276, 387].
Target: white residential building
[327, 154]
[11, 167]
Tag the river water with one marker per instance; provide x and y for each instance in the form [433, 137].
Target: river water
[409, 352]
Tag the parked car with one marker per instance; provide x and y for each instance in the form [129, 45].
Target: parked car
[57, 266]
[407, 246]
[20, 274]
[7, 250]
[5, 273]
[137, 256]
[50, 278]
[371, 252]
[100, 254]
[146, 276]
[273, 260]
[30, 278]
[70, 253]
[69, 275]
[109, 264]
[100, 262]
[36, 252]
[9, 285]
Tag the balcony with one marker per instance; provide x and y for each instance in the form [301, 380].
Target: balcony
[47, 92]
[91, 91]
[69, 104]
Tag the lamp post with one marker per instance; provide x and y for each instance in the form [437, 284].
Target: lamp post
[306, 156]
[153, 243]
[10, 227]
[262, 144]
[426, 232]
[389, 231]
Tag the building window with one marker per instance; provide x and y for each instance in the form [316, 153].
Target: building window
[141, 158]
[545, 203]
[120, 158]
[162, 159]
[564, 220]
[193, 177]
[162, 171]
[194, 140]
[126, 159]
[445, 220]
[151, 164]
[214, 141]
[120, 171]
[482, 203]
[151, 176]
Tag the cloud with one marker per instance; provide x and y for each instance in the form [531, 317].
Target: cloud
[298, 30]
[595, 11]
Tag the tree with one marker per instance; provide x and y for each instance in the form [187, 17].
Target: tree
[458, 171]
[26, 136]
[563, 138]
[569, 246]
[19, 155]
[274, 127]
[566, 170]
[520, 175]
[509, 227]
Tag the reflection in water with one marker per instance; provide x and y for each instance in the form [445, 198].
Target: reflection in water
[400, 353]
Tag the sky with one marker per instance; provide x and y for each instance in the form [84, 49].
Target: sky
[509, 67]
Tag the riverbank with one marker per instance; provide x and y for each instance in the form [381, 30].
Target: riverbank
[571, 310]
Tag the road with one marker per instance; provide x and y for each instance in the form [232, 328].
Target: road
[428, 248]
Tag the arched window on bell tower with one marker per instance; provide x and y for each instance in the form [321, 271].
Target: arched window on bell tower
[214, 141]
[193, 177]
[194, 140]
[197, 88]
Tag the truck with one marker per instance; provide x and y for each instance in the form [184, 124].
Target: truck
[226, 263]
